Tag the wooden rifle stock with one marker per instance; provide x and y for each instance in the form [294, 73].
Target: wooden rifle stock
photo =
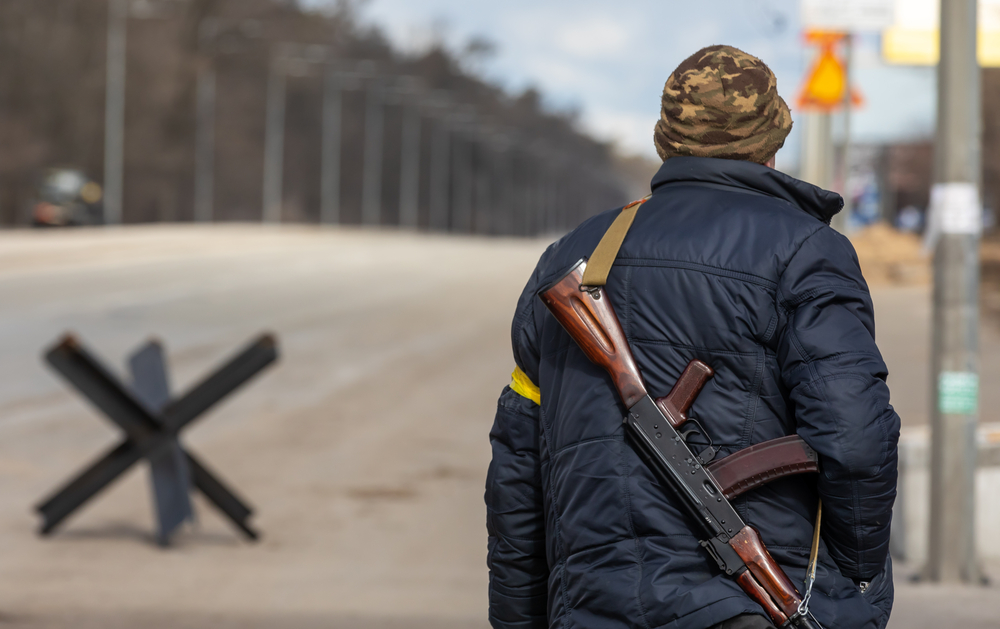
[593, 324]
[587, 315]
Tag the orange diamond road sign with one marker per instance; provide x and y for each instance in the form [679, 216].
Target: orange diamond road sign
[826, 83]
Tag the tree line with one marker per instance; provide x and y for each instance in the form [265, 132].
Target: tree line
[512, 155]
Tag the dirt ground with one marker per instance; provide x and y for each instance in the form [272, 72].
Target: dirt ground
[364, 451]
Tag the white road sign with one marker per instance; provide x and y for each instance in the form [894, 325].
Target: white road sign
[848, 15]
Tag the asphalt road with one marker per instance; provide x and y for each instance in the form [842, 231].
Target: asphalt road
[364, 450]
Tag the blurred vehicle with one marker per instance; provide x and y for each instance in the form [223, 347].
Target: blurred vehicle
[67, 197]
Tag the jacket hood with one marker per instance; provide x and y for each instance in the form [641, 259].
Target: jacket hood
[751, 177]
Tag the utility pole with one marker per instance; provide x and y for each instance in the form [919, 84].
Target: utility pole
[114, 112]
[371, 190]
[204, 177]
[274, 143]
[329, 211]
[956, 216]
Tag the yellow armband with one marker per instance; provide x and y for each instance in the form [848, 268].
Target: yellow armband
[521, 384]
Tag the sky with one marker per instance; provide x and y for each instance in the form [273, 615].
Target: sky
[609, 59]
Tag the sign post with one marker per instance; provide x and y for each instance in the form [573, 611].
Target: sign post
[826, 89]
[829, 24]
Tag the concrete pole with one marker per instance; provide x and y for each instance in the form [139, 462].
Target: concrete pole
[817, 151]
[333, 104]
[204, 162]
[114, 112]
[409, 172]
[955, 336]
[371, 191]
[440, 174]
[274, 144]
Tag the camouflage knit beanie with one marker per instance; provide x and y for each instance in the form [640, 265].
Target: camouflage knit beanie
[721, 102]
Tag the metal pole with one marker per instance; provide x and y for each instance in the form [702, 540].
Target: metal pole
[114, 112]
[462, 194]
[371, 192]
[558, 207]
[204, 175]
[274, 144]
[956, 215]
[484, 223]
[440, 173]
[409, 173]
[504, 206]
[548, 202]
[535, 218]
[842, 221]
[333, 103]
[520, 197]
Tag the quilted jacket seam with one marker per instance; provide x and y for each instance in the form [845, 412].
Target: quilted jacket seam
[855, 525]
[724, 352]
[584, 442]
[753, 400]
[676, 622]
[635, 541]
[781, 275]
[557, 529]
[698, 267]
[497, 534]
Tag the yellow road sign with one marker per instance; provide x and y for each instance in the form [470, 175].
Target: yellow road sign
[826, 84]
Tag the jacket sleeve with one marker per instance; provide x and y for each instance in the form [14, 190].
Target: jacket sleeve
[514, 508]
[836, 379]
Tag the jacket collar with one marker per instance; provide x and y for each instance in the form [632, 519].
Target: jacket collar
[751, 177]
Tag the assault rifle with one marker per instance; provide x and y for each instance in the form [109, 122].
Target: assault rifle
[653, 428]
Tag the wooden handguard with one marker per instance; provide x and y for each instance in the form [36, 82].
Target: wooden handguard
[772, 590]
[676, 404]
[587, 315]
[760, 464]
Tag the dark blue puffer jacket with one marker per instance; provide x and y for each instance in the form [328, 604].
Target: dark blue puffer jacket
[735, 264]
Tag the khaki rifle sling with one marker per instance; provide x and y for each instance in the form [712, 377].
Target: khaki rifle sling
[600, 262]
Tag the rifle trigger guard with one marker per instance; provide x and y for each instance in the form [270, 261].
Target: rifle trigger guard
[708, 454]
